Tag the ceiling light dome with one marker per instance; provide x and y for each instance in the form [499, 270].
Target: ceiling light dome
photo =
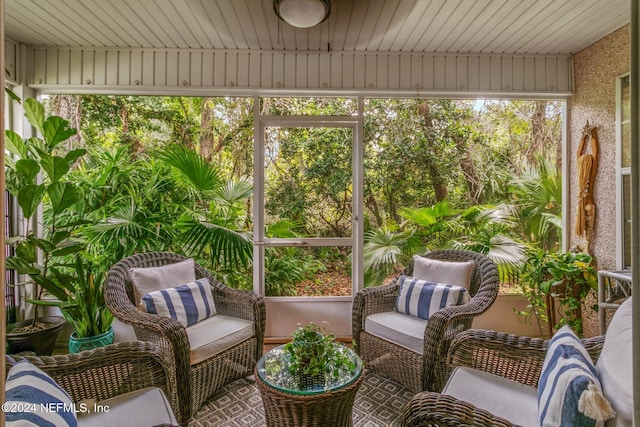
[302, 13]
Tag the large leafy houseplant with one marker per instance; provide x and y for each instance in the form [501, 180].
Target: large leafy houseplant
[36, 175]
[565, 277]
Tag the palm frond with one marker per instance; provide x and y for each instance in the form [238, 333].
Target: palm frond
[201, 174]
[235, 191]
[227, 248]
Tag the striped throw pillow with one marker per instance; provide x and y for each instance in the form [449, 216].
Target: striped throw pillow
[422, 298]
[33, 398]
[188, 303]
[569, 392]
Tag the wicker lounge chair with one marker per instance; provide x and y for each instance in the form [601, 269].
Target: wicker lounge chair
[195, 380]
[118, 373]
[509, 356]
[497, 378]
[426, 370]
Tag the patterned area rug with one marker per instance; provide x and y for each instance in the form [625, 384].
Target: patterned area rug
[379, 403]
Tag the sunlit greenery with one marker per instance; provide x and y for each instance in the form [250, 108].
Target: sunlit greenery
[176, 173]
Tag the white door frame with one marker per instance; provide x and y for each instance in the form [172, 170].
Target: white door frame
[284, 313]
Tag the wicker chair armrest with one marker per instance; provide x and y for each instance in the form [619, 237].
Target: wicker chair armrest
[246, 305]
[105, 372]
[434, 409]
[444, 320]
[124, 310]
[514, 357]
[168, 334]
[236, 302]
[375, 299]
[594, 346]
[443, 327]
[242, 304]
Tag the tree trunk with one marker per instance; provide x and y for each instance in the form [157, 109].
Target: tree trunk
[69, 107]
[437, 182]
[372, 204]
[206, 124]
[439, 188]
[471, 177]
[135, 145]
[393, 209]
[538, 130]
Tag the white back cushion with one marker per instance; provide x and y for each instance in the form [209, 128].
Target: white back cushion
[614, 366]
[450, 272]
[149, 279]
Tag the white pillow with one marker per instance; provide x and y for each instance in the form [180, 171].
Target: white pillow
[452, 272]
[569, 392]
[188, 303]
[421, 298]
[149, 279]
[614, 365]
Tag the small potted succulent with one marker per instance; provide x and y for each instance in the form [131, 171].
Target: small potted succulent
[315, 356]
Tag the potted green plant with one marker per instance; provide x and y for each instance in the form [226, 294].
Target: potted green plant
[86, 310]
[51, 258]
[315, 356]
[565, 277]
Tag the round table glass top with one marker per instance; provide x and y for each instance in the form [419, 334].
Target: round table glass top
[273, 369]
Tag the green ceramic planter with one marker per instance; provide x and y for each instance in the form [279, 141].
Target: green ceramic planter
[77, 345]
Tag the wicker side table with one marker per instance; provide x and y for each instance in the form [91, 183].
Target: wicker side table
[286, 404]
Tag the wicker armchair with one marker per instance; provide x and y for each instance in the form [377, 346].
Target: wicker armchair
[426, 371]
[105, 372]
[194, 383]
[512, 357]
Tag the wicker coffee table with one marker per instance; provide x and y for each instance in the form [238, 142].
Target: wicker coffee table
[288, 403]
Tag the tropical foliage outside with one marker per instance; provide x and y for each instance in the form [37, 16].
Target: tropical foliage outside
[176, 174]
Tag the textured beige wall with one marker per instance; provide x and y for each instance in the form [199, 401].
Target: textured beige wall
[596, 69]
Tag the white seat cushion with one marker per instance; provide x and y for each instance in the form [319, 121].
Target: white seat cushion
[123, 332]
[216, 334]
[145, 407]
[504, 398]
[614, 366]
[402, 329]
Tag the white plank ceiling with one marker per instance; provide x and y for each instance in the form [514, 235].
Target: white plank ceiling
[447, 26]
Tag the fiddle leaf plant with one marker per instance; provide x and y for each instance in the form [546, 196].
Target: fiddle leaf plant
[36, 175]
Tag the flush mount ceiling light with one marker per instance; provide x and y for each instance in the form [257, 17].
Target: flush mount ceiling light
[302, 13]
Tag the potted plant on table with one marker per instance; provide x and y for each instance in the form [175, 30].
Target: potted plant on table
[315, 356]
[51, 259]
